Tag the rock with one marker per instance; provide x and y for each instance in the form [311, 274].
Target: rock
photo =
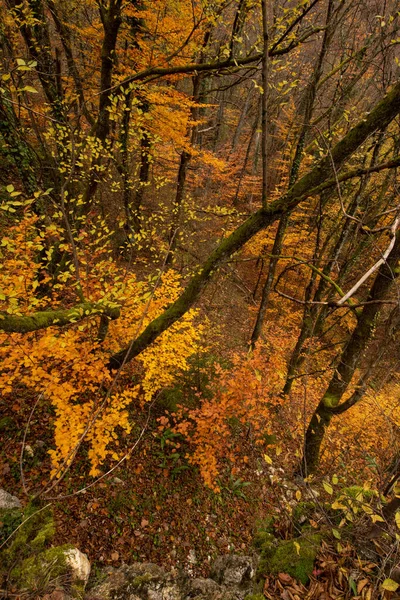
[234, 571]
[146, 581]
[135, 582]
[28, 450]
[79, 565]
[205, 589]
[7, 501]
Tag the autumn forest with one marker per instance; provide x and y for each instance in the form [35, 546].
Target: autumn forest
[199, 295]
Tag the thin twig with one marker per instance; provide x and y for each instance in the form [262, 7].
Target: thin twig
[21, 467]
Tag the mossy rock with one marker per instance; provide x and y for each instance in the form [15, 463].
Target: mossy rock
[33, 536]
[295, 560]
[265, 531]
[39, 571]
[10, 519]
[264, 541]
[38, 529]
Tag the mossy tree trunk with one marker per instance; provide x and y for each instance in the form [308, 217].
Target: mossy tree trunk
[348, 362]
[319, 177]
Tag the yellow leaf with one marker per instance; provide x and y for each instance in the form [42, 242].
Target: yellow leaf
[390, 585]
[297, 546]
[397, 519]
[327, 487]
[257, 374]
[377, 518]
[268, 459]
[298, 495]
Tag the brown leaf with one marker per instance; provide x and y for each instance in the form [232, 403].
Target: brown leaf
[361, 584]
[114, 555]
[285, 578]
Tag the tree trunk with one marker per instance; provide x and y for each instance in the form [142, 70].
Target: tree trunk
[307, 110]
[182, 173]
[350, 357]
[379, 117]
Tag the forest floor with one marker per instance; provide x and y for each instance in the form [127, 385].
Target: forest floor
[156, 509]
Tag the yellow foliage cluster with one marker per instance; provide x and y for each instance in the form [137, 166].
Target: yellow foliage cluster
[372, 426]
[67, 367]
[169, 353]
[18, 277]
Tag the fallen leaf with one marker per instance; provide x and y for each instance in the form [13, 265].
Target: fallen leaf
[285, 578]
[390, 585]
[361, 584]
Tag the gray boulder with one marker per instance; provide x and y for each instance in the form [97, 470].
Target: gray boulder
[233, 570]
[7, 501]
[231, 579]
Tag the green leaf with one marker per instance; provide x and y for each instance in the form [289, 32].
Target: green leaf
[336, 533]
[353, 586]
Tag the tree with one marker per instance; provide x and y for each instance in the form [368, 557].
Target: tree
[101, 140]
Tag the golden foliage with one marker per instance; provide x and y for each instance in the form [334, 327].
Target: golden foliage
[67, 366]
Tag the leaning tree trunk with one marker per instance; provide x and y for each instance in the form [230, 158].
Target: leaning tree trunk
[315, 315]
[315, 181]
[351, 356]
